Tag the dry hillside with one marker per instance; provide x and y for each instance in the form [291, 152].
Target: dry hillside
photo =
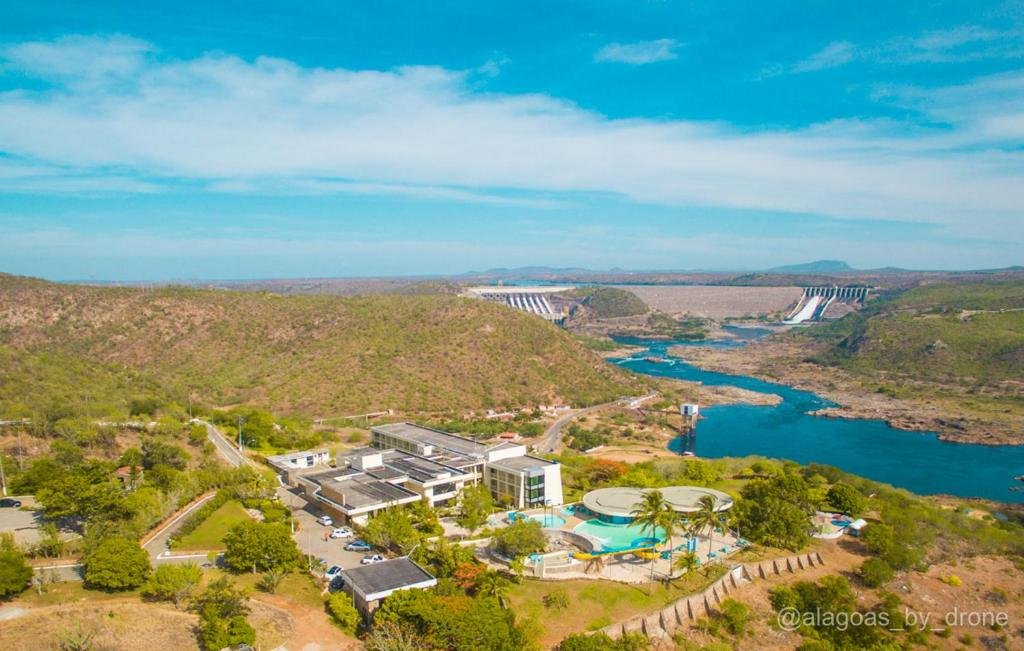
[321, 355]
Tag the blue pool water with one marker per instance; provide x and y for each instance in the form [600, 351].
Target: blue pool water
[619, 536]
[919, 462]
[549, 521]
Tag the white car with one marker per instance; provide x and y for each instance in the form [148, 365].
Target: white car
[370, 560]
[325, 520]
[343, 532]
[333, 571]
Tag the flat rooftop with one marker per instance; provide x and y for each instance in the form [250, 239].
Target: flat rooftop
[434, 437]
[361, 491]
[520, 464]
[621, 501]
[388, 576]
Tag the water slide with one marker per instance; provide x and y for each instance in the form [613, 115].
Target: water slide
[806, 312]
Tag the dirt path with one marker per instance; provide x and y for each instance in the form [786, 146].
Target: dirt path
[312, 631]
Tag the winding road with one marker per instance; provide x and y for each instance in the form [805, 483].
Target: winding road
[554, 434]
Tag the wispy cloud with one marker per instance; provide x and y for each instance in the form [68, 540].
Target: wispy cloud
[832, 55]
[640, 52]
[270, 125]
[959, 44]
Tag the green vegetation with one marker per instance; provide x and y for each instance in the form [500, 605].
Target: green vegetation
[116, 564]
[172, 582]
[662, 325]
[15, 573]
[411, 353]
[818, 606]
[521, 538]
[580, 438]
[222, 610]
[608, 302]
[260, 547]
[209, 534]
[960, 347]
[475, 505]
[451, 620]
[391, 528]
[601, 642]
[875, 572]
[343, 612]
[845, 499]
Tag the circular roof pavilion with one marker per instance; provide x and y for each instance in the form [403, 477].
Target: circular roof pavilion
[621, 501]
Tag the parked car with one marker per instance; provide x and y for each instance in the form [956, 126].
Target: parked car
[9, 503]
[358, 546]
[325, 520]
[370, 560]
[332, 572]
[342, 532]
[337, 583]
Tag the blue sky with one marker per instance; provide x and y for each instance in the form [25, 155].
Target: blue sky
[237, 140]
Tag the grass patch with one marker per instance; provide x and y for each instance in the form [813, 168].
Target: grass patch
[208, 535]
[594, 604]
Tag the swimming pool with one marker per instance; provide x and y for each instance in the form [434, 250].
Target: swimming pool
[549, 521]
[619, 536]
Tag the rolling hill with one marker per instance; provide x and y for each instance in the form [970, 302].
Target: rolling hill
[64, 345]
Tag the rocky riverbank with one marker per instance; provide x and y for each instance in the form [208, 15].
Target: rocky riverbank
[940, 409]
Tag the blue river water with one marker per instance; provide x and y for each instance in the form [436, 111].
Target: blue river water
[919, 462]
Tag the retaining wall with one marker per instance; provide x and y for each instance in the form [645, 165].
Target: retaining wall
[696, 606]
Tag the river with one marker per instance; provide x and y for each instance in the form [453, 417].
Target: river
[917, 461]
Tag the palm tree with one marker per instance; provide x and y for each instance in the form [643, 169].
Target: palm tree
[493, 584]
[686, 563]
[654, 512]
[706, 518]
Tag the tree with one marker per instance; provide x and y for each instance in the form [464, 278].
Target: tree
[456, 622]
[521, 538]
[116, 564]
[158, 453]
[652, 513]
[493, 584]
[15, 574]
[686, 562]
[776, 511]
[845, 499]
[222, 610]
[391, 528]
[475, 506]
[260, 546]
[344, 612]
[735, 616]
[173, 582]
[706, 518]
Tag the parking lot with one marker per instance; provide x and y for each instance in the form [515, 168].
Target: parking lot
[309, 535]
[24, 524]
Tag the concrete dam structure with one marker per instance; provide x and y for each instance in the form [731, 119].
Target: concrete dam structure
[824, 302]
[537, 300]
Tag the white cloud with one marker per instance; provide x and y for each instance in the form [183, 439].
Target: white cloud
[962, 43]
[639, 53]
[831, 56]
[270, 125]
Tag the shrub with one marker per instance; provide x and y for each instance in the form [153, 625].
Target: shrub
[343, 612]
[735, 616]
[556, 600]
[951, 580]
[875, 572]
[172, 582]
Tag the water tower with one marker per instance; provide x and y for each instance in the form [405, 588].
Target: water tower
[690, 412]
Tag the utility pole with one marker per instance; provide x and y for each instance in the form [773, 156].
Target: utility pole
[3, 478]
[240, 421]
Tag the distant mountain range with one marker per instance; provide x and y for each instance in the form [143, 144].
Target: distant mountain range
[816, 267]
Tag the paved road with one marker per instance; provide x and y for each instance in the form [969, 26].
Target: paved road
[554, 434]
[224, 447]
